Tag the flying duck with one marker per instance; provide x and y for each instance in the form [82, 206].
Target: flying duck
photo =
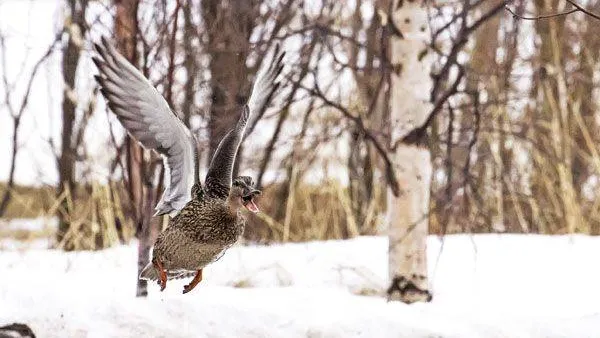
[206, 220]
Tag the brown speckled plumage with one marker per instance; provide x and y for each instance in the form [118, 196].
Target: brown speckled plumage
[201, 233]
[198, 235]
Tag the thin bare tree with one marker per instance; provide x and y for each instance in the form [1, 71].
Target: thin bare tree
[75, 28]
[139, 186]
[16, 113]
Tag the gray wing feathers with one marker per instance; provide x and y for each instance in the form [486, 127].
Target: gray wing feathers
[147, 117]
[266, 82]
[218, 177]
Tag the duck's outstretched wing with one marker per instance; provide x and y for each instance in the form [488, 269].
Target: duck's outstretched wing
[266, 83]
[147, 117]
[218, 177]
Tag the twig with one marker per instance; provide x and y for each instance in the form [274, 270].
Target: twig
[583, 10]
[577, 8]
[544, 16]
[389, 171]
[418, 133]
[18, 114]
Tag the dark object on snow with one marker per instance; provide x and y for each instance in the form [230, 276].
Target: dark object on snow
[404, 286]
[209, 219]
[16, 330]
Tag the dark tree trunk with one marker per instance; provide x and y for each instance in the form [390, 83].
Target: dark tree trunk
[360, 177]
[126, 29]
[228, 25]
[13, 161]
[68, 154]
[190, 64]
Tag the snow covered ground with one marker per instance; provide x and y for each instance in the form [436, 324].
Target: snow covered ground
[483, 285]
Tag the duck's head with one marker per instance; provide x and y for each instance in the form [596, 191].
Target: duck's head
[242, 193]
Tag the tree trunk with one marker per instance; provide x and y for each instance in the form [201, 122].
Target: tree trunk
[552, 179]
[408, 213]
[586, 132]
[190, 64]
[228, 25]
[126, 29]
[489, 171]
[362, 161]
[13, 163]
[66, 162]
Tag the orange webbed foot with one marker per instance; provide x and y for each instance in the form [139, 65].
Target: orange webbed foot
[197, 279]
[161, 273]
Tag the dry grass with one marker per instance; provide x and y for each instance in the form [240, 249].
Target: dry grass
[95, 222]
[95, 216]
[311, 212]
[28, 202]
[319, 212]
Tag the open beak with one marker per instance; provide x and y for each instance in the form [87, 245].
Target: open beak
[251, 206]
[248, 201]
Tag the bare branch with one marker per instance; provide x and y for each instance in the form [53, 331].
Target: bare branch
[545, 16]
[583, 10]
[16, 115]
[577, 8]
[369, 135]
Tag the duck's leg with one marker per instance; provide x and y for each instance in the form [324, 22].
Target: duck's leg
[197, 279]
[161, 273]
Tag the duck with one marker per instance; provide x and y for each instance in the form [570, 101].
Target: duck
[206, 219]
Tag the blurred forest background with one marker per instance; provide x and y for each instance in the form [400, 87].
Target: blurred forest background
[513, 128]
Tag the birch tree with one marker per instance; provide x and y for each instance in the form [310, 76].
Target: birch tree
[410, 89]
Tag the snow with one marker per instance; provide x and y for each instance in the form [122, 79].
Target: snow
[483, 285]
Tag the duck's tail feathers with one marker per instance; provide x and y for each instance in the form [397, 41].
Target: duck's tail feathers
[149, 273]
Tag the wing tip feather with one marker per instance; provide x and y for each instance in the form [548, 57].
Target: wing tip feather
[99, 63]
[104, 40]
[98, 48]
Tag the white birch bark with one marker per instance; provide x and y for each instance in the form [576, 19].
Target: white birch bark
[409, 108]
